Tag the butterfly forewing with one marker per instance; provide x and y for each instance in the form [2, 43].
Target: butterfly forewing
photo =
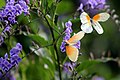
[72, 53]
[76, 37]
[101, 17]
[84, 17]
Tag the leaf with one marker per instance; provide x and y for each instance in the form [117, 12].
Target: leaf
[42, 67]
[86, 64]
[38, 39]
[2, 3]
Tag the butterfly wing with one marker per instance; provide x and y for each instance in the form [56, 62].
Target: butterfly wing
[86, 24]
[84, 17]
[76, 37]
[101, 17]
[87, 28]
[72, 53]
[97, 27]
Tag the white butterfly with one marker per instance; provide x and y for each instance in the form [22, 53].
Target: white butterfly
[87, 22]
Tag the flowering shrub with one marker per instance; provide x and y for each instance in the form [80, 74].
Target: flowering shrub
[59, 40]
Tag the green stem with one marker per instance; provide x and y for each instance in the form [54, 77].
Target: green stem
[55, 47]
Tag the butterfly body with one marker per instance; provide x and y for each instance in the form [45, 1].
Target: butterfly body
[88, 22]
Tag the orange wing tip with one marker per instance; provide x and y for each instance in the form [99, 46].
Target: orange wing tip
[88, 18]
[96, 17]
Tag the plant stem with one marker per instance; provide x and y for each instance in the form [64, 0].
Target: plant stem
[55, 47]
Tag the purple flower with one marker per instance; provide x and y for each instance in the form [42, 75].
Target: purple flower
[14, 54]
[6, 56]
[77, 45]
[1, 40]
[67, 36]
[92, 6]
[15, 59]
[18, 9]
[4, 64]
[2, 15]
[7, 62]
[24, 7]
[68, 24]
[7, 29]
[14, 51]
[12, 19]
[62, 47]
[10, 76]
[10, 10]
[19, 46]
[68, 67]
[10, 2]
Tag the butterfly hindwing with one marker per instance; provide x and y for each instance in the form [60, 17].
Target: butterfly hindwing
[87, 28]
[72, 53]
[97, 27]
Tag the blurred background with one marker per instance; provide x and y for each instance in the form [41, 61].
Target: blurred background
[41, 64]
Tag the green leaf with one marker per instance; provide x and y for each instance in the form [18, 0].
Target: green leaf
[38, 39]
[86, 64]
[2, 3]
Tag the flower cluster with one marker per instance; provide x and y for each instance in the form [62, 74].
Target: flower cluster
[9, 13]
[68, 32]
[8, 76]
[12, 9]
[6, 62]
[92, 6]
[68, 67]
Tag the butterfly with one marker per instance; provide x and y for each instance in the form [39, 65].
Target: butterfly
[71, 51]
[87, 22]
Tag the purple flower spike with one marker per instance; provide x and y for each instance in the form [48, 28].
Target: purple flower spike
[68, 24]
[14, 51]
[68, 67]
[18, 9]
[12, 19]
[5, 65]
[7, 29]
[19, 46]
[10, 10]
[15, 60]
[6, 62]
[92, 6]
[24, 7]
[9, 76]
[62, 47]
